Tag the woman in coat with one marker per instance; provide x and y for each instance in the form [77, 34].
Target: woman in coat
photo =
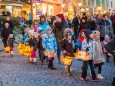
[5, 34]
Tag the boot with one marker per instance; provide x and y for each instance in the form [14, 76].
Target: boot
[52, 67]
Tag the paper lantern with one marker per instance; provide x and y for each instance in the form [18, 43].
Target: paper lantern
[62, 58]
[7, 49]
[27, 49]
[67, 60]
[50, 53]
[81, 55]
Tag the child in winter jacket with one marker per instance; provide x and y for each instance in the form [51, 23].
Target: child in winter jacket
[33, 42]
[88, 47]
[80, 40]
[11, 43]
[99, 57]
[49, 44]
[68, 51]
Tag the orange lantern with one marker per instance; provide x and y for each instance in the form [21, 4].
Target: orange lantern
[50, 53]
[62, 58]
[68, 60]
[81, 55]
[7, 49]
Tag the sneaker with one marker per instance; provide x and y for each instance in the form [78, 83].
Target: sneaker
[83, 79]
[95, 79]
[99, 76]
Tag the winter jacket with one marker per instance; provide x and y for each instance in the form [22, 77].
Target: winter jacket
[49, 42]
[5, 34]
[43, 26]
[105, 29]
[33, 43]
[92, 25]
[79, 43]
[83, 25]
[66, 46]
[58, 30]
[99, 57]
[26, 37]
[10, 24]
[11, 42]
[88, 47]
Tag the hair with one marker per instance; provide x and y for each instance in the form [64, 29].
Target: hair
[104, 15]
[60, 16]
[42, 17]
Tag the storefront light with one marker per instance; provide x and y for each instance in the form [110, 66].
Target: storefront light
[63, 5]
[87, 9]
[79, 4]
[51, 7]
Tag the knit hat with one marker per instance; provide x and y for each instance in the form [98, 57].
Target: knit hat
[67, 32]
[48, 28]
[87, 33]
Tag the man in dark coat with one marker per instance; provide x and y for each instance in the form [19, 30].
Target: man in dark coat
[76, 23]
[9, 22]
[6, 31]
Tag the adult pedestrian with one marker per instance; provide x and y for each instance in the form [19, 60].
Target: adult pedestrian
[6, 31]
[8, 20]
[105, 28]
[43, 23]
[83, 25]
[76, 23]
[59, 26]
[68, 21]
[91, 23]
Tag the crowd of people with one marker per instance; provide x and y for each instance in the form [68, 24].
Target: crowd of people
[61, 36]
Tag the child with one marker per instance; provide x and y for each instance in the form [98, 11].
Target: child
[40, 47]
[11, 44]
[106, 41]
[88, 46]
[67, 49]
[33, 42]
[80, 40]
[49, 43]
[99, 57]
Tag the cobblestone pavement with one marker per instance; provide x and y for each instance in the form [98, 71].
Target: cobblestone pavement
[16, 71]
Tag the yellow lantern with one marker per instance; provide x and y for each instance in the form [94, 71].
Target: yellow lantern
[67, 60]
[27, 49]
[62, 58]
[50, 53]
[20, 51]
[81, 55]
[31, 49]
[7, 49]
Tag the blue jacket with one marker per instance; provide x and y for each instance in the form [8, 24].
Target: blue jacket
[43, 26]
[49, 42]
[26, 37]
